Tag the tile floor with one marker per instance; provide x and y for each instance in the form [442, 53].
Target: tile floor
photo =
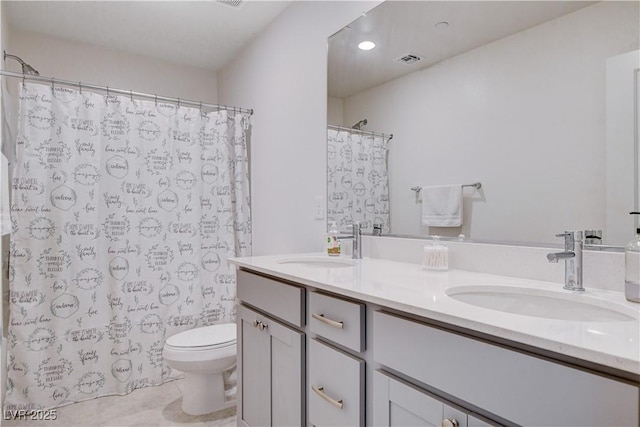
[151, 406]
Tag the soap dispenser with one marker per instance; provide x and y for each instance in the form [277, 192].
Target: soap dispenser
[632, 267]
[333, 243]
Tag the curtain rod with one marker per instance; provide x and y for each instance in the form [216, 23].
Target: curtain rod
[390, 136]
[130, 93]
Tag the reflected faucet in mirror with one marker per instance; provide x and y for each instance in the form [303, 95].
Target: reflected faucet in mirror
[356, 236]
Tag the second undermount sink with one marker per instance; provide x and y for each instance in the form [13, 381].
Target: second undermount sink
[319, 262]
[543, 303]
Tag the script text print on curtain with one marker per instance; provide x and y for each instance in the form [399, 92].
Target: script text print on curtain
[124, 213]
[357, 180]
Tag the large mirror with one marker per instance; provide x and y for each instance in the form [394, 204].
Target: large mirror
[534, 100]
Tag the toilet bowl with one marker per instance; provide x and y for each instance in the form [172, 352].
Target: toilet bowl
[203, 354]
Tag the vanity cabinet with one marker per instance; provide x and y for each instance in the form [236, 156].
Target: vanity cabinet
[314, 358]
[271, 355]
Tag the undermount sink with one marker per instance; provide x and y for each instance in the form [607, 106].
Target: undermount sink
[319, 262]
[543, 303]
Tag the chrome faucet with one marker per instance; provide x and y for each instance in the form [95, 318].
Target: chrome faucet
[572, 255]
[357, 240]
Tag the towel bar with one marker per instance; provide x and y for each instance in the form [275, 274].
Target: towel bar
[476, 185]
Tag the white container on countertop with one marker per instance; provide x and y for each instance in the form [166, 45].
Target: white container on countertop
[435, 255]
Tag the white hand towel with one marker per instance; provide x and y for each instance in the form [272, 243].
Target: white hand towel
[442, 205]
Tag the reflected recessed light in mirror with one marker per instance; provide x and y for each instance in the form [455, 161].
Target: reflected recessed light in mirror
[366, 45]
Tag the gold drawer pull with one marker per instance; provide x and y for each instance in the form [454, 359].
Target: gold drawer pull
[320, 392]
[320, 317]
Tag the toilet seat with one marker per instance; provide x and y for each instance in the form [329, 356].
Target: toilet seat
[203, 355]
[204, 338]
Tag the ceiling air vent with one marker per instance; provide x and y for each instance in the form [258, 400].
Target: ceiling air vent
[231, 3]
[409, 58]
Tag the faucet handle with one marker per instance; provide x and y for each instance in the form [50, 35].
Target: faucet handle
[355, 227]
[576, 235]
[571, 238]
[566, 234]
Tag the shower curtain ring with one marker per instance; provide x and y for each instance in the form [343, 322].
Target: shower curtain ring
[200, 106]
[51, 84]
[23, 85]
[178, 102]
[131, 95]
[80, 87]
[156, 98]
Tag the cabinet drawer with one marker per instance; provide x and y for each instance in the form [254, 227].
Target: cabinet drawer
[337, 320]
[276, 298]
[510, 384]
[336, 387]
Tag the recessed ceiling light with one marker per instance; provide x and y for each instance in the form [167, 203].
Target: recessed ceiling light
[366, 45]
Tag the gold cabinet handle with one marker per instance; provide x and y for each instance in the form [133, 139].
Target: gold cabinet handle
[320, 317]
[320, 392]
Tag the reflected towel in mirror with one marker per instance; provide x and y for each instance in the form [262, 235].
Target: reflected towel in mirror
[442, 205]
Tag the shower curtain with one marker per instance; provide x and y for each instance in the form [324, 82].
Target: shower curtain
[358, 184]
[124, 213]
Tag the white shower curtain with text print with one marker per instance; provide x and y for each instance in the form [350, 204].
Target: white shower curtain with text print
[123, 213]
[357, 179]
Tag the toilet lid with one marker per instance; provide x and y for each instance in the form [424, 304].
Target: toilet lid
[207, 336]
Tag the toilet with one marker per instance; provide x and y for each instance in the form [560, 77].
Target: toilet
[204, 354]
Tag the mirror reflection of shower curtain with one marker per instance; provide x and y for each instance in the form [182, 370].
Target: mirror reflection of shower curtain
[357, 179]
[124, 213]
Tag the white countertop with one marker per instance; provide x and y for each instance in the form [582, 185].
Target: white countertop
[408, 288]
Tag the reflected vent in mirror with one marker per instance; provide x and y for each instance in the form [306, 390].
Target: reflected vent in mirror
[231, 3]
[409, 58]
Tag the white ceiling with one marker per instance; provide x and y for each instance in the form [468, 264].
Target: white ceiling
[204, 34]
[401, 27]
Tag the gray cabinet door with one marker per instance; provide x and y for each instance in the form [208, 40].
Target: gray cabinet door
[398, 404]
[270, 369]
[255, 377]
